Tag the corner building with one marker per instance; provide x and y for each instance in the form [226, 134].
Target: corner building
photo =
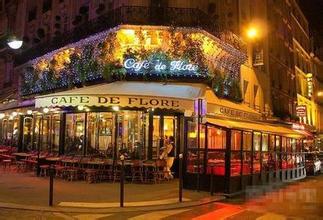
[105, 78]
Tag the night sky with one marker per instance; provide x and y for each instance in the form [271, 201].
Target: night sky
[313, 10]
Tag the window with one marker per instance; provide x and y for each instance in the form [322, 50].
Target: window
[195, 157]
[216, 150]
[216, 138]
[235, 153]
[74, 134]
[265, 154]
[256, 152]
[246, 152]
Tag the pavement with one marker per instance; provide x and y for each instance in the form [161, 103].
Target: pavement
[27, 192]
[300, 200]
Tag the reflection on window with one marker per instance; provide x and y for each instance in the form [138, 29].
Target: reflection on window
[216, 138]
[130, 140]
[216, 163]
[256, 153]
[100, 132]
[74, 137]
[246, 154]
[247, 140]
[195, 161]
[264, 142]
[235, 153]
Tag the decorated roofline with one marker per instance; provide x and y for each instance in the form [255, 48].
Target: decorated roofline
[130, 52]
[99, 37]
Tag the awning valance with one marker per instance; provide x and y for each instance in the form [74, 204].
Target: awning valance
[127, 94]
[253, 126]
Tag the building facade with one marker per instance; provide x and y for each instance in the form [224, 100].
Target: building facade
[105, 78]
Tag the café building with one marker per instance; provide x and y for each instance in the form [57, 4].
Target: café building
[125, 90]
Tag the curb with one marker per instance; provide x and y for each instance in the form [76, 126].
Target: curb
[111, 210]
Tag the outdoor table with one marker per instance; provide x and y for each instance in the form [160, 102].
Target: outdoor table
[53, 159]
[36, 156]
[21, 154]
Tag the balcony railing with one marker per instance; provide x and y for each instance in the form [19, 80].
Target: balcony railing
[134, 15]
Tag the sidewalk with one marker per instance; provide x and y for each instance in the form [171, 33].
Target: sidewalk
[26, 191]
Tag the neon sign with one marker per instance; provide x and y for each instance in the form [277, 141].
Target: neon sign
[159, 65]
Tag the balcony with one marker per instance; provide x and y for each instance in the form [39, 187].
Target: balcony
[134, 15]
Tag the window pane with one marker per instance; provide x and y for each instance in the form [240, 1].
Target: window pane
[246, 166]
[235, 163]
[235, 140]
[192, 161]
[55, 132]
[256, 162]
[74, 133]
[192, 134]
[215, 162]
[130, 134]
[247, 140]
[265, 142]
[272, 143]
[284, 144]
[216, 138]
[256, 141]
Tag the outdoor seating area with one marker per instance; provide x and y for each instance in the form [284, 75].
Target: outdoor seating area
[81, 168]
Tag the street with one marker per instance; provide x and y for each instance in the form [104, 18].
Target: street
[298, 200]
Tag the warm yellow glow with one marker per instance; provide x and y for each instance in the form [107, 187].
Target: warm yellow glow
[192, 134]
[320, 93]
[252, 33]
[80, 107]
[46, 110]
[2, 115]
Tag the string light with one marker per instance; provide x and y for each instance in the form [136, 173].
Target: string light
[84, 67]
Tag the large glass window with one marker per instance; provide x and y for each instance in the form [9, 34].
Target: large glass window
[265, 154]
[216, 150]
[256, 152]
[284, 153]
[130, 134]
[27, 133]
[74, 134]
[235, 153]
[271, 154]
[246, 152]
[100, 134]
[278, 153]
[195, 157]
[55, 129]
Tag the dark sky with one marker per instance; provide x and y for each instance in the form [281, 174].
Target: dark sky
[313, 10]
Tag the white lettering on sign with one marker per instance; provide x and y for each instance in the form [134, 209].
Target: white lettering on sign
[157, 65]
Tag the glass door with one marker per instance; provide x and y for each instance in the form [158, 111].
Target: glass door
[163, 128]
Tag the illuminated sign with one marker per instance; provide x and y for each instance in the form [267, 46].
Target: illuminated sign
[309, 84]
[159, 65]
[301, 110]
[114, 100]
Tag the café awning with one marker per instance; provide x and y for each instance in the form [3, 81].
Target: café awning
[127, 94]
[254, 126]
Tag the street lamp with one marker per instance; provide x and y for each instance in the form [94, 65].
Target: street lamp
[14, 43]
[252, 33]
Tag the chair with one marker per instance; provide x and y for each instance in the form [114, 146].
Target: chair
[137, 171]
